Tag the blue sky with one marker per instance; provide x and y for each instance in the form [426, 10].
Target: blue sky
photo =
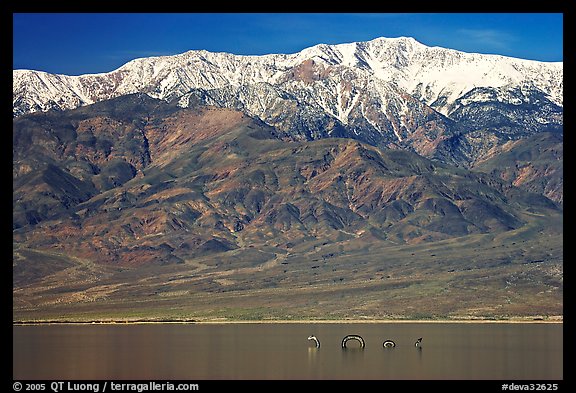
[76, 44]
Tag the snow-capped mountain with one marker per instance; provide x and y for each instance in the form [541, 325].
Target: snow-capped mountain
[388, 91]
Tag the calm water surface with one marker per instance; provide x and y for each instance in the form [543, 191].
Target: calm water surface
[282, 351]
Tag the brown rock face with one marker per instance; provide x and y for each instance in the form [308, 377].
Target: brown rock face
[158, 184]
[134, 208]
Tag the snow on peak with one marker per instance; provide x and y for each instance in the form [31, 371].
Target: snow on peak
[436, 76]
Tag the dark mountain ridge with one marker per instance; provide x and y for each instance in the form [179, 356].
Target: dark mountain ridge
[124, 187]
[244, 173]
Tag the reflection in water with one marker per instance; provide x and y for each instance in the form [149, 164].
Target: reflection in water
[351, 360]
[281, 351]
[312, 351]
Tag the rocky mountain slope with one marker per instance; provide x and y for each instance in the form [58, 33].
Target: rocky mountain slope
[534, 164]
[386, 92]
[215, 172]
[379, 179]
[130, 200]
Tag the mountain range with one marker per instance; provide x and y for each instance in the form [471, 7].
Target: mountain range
[386, 92]
[366, 169]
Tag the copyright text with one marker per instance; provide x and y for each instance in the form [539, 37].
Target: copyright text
[103, 386]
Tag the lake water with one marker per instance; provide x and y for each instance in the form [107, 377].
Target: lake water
[456, 351]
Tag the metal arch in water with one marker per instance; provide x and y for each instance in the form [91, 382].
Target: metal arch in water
[313, 337]
[388, 344]
[353, 337]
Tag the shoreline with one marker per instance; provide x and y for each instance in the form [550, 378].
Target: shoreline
[271, 322]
